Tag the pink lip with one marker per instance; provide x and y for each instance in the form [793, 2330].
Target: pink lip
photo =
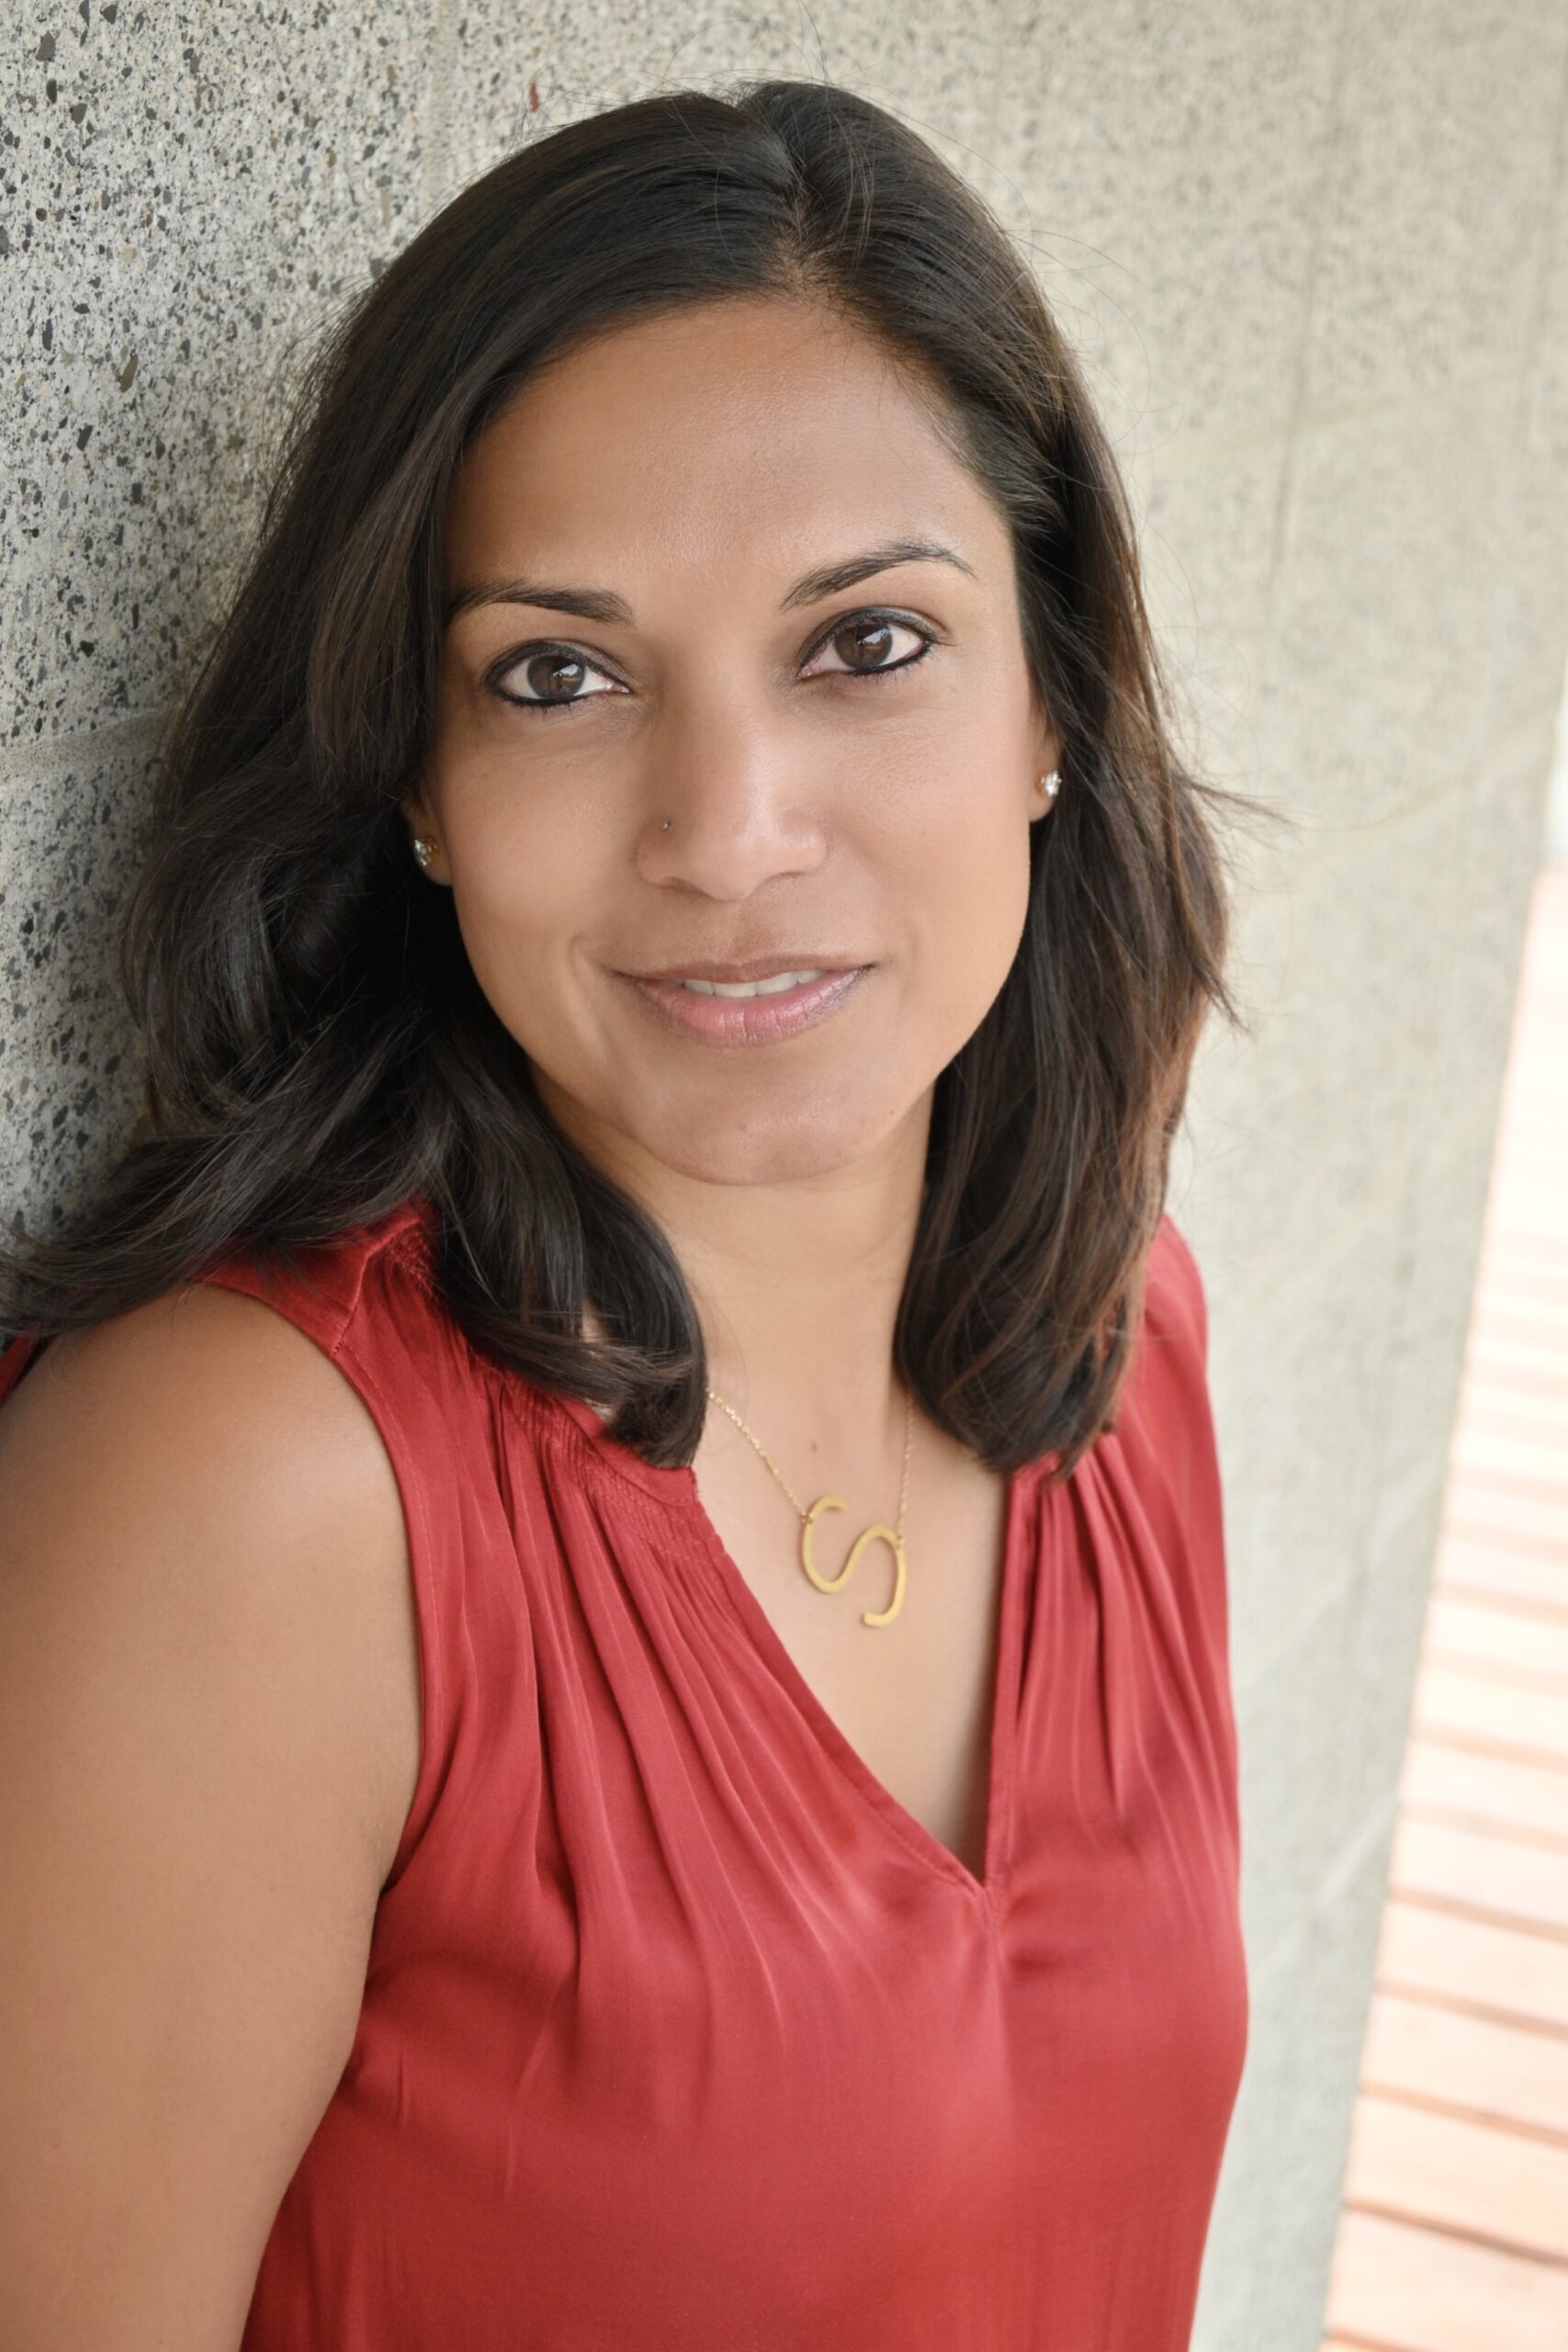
[748, 1020]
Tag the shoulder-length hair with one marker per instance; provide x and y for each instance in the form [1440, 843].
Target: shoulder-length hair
[317, 1048]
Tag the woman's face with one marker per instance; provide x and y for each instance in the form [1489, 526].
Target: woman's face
[848, 768]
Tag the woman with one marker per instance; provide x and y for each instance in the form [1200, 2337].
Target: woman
[672, 890]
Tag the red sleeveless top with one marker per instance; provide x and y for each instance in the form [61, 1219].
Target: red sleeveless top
[679, 2031]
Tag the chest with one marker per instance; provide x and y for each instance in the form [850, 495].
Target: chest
[682, 2023]
[709, 2043]
[914, 1697]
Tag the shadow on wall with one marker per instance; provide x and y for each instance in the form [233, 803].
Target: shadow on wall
[1557, 800]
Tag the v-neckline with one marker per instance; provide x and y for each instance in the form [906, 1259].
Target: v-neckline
[677, 1484]
[928, 1849]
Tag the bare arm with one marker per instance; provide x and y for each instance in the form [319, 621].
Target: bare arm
[209, 1721]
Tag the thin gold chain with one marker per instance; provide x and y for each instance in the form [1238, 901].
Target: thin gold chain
[800, 1507]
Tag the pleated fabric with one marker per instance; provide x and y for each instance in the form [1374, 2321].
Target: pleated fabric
[679, 2031]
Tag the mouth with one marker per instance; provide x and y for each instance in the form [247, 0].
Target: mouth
[774, 1000]
[777, 983]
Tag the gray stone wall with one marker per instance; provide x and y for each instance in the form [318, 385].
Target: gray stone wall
[1316, 258]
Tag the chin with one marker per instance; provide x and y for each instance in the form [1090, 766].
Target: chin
[727, 1150]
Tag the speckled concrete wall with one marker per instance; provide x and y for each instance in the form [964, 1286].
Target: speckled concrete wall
[1316, 256]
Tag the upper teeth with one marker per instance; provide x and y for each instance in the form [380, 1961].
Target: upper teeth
[772, 987]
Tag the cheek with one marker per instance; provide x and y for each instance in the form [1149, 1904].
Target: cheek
[970, 880]
[521, 896]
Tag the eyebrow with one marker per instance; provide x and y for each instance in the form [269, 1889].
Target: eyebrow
[601, 604]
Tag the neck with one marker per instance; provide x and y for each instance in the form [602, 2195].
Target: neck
[796, 1285]
[797, 1312]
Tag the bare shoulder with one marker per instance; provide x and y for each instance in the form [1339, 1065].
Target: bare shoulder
[205, 1431]
[252, 1378]
[209, 1726]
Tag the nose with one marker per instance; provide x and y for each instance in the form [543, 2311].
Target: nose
[725, 808]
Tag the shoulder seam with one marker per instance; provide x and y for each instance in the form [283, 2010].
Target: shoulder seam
[239, 1270]
[399, 1246]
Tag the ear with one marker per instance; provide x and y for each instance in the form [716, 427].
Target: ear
[420, 826]
[1047, 747]
[1047, 756]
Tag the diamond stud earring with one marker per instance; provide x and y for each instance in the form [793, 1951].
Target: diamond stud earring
[424, 849]
[1050, 783]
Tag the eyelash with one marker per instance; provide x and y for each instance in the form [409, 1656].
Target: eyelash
[524, 654]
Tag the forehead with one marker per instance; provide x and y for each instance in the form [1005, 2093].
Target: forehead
[725, 431]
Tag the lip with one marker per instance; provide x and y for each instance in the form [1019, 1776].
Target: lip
[753, 967]
[748, 1020]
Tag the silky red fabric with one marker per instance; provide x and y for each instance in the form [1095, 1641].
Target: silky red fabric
[679, 2031]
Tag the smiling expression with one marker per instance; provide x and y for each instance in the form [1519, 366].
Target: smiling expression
[732, 673]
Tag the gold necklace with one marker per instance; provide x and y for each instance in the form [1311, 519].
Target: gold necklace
[892, 1536]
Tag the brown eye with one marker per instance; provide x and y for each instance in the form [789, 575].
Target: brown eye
[549, 675]
[867, 638]
[864, 641]
[564, 672]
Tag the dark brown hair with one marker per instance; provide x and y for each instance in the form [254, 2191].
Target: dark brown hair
[317, 1048]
